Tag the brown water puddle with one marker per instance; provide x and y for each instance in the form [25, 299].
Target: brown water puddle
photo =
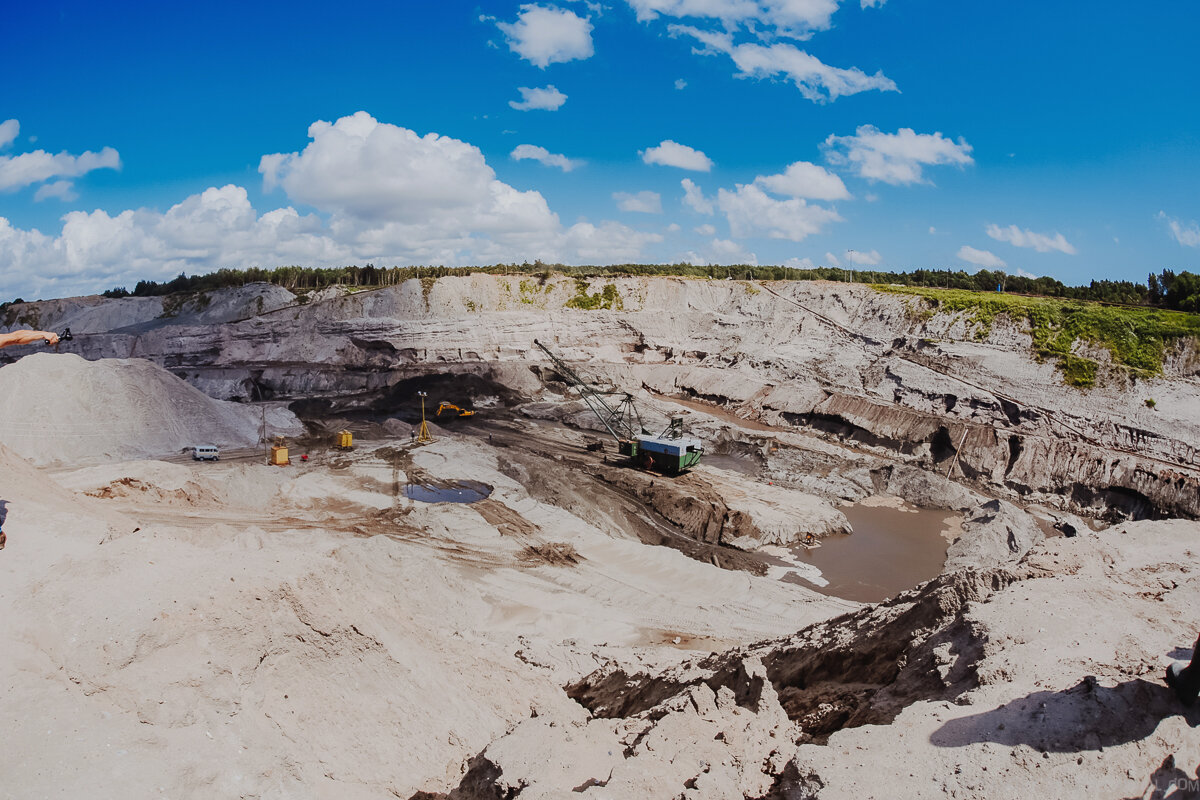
[739, 464]
[893, 548]
[720, 412]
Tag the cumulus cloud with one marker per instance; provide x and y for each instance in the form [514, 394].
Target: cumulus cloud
[706, 229]
[816, 80]
[642, 202]
[752, 211]
[895, 158]
[799, 263]
[980, 257]
[694, 198]
[673, 154]
[727, 251]
[680, 84]
[873, 3]
[793, 18]
[362, 170]
[378, 193]
[62, 190]
[832, 260]
[215, 228]
[531, 151]
[803, 179]
[544, 99]
[8, 132]
[1187, 234]
[860, 259]
[1041, 242]
[26, 169]
[544, 35]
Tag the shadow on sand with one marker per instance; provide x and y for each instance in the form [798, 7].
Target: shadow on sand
[1085, 717]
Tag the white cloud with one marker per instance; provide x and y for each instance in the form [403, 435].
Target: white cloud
[673, 154]
[1041, 242]
[803, 179]
[750, 211]
[873, 3]
[706, 229]
[982, 258]
[694, 197]
[674, 227]
[26, 169]
[8, 132]
[62, 190]
[799, 263]
[727, 251]
[208, 230]
[381, 193]
[362, 170]
[792, 18]
[1187, 234]
[680, 84]
[642, 202]
[816, 80]
[932, 230]
[532, 151]
[544, 99]
[832, 260]
[861, 259]
[609, 242]
[548, 35]
[895, 158]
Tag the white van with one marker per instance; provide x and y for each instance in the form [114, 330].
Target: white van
[205, 452]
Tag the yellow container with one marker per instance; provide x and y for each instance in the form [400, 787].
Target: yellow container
[279, 456]
[345, 439]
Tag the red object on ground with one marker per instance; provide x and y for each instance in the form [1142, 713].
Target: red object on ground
[304, 457]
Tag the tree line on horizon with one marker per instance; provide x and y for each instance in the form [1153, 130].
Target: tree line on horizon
[1164, 290]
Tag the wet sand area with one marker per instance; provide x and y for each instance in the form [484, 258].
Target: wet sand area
[893, 548]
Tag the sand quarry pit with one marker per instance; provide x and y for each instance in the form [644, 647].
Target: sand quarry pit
[815, 611]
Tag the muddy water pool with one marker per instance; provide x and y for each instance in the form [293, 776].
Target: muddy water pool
[450, 492]
[893, 548]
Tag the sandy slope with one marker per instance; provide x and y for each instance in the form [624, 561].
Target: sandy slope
[312, 636]
[59, 408]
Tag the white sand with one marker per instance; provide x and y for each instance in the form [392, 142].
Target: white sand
[60, 409]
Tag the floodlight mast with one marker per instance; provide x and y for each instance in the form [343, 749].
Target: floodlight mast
[619, 421]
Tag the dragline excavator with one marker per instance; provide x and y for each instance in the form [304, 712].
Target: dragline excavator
[670, 452]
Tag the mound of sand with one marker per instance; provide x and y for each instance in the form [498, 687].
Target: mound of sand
[59, 408]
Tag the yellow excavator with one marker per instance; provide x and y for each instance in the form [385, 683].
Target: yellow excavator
[462, 412]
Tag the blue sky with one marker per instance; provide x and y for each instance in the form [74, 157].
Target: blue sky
[140, 140]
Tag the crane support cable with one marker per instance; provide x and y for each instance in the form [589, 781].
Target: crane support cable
[617, 420]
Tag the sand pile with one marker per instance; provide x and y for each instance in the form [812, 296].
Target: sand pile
[59, 408]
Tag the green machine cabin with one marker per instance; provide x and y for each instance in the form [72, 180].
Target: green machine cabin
[671, 453]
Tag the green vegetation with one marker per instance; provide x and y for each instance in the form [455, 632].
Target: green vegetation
[1164, 290]
[531, 289]
[1137, 338]
[608, 298]
[1150, 402]
[427, 287]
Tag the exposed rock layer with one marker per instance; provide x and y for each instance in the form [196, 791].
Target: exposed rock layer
[846, 361]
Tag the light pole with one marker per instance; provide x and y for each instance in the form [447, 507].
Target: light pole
[423, 437]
